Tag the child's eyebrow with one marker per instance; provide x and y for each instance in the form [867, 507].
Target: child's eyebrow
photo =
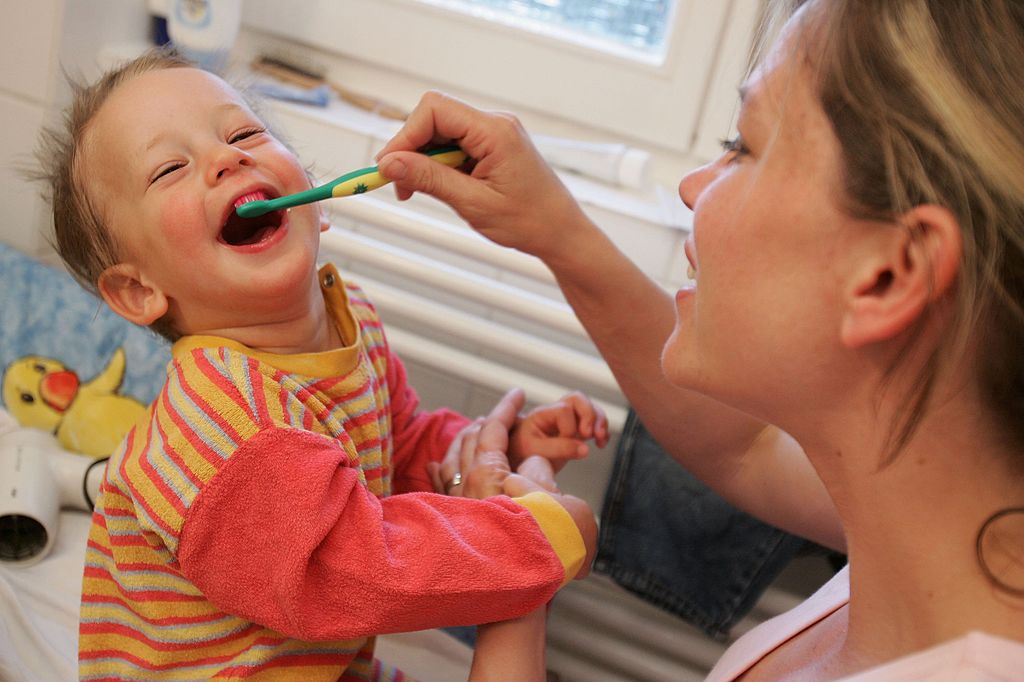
[230, 106]
[155, 140]
[226, 107]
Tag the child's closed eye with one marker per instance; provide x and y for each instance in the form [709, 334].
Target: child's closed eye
[166, 170]
[245, 134]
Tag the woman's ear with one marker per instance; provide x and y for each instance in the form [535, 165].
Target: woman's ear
[913, 268]
[122, 287]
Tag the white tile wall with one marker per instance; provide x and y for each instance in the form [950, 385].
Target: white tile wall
[24, 211]
[28, 47]
[39, 40]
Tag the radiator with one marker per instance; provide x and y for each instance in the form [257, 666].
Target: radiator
[492, 318]
[483, 325]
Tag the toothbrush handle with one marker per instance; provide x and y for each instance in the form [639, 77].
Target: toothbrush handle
[367, 179]
[356, 182]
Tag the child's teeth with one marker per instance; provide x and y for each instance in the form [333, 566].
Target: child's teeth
[251, 196]
[691, 272]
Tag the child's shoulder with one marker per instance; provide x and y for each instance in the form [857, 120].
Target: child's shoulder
[200, 366]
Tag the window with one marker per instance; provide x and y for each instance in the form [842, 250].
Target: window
[650, 96]
[636, 27]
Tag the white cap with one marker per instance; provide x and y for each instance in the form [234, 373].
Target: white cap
[634, 168]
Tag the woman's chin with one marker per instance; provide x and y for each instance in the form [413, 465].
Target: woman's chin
[673, 361]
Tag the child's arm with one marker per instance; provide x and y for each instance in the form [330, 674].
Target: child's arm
[510, 650]
[558, 431]
[281, 524]
[289, 537]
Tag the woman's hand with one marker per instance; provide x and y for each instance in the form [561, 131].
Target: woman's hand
[475, 464]
[510, 194]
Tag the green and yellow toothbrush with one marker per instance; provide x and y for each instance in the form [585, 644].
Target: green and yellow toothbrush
[349, 184]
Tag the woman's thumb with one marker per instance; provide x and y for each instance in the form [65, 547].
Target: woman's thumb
[539, 470]
[517, 485]
[415, 172]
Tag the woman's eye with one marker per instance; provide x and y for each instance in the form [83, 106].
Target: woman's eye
[243, 134]
[166, 170]
[735, 146]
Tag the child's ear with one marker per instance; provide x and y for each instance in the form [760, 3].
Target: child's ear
[918, 265]
[325, 224]
[122, 287]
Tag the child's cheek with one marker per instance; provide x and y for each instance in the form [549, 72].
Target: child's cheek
[183, 222]
[290, 165]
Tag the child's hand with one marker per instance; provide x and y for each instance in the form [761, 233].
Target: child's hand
[518, 486]
[558, 431]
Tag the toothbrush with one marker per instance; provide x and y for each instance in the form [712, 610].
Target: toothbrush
[356, 182]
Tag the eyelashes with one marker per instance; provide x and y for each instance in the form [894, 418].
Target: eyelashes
[735, 146]
[166, 170]
[246, 133]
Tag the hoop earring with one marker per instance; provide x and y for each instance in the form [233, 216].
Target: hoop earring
[980, 551]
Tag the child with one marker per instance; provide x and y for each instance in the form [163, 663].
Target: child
[250, 523]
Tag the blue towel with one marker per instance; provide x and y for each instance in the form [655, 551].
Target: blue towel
[45, 312]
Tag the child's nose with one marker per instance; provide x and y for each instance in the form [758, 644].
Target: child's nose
[227, 159]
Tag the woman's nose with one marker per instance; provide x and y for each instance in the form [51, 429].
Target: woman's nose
[226, 160]
[694, 182]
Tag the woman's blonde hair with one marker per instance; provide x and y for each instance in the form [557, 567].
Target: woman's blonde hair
[925, 99]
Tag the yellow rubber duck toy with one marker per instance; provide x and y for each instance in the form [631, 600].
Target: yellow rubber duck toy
[89, 418]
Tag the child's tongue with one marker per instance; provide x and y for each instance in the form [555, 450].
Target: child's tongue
[257, 236]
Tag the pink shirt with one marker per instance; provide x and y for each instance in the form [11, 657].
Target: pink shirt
[975, 656]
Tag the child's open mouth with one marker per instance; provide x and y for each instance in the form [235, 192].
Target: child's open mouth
[239, 231]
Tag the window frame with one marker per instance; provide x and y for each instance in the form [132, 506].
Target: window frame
[567, 80]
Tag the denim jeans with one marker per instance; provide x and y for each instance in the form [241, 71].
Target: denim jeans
[669, 539]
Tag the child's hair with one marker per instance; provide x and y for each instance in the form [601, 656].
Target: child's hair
[80, 235]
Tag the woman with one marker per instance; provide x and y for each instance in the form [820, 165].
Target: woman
[846, 362]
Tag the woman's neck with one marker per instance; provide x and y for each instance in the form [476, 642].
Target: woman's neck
[911, 529]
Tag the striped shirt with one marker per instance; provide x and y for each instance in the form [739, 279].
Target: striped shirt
[252, 526]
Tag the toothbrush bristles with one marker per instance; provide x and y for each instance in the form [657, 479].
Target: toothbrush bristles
[252, 209]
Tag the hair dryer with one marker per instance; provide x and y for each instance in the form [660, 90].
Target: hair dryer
[37, 479]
